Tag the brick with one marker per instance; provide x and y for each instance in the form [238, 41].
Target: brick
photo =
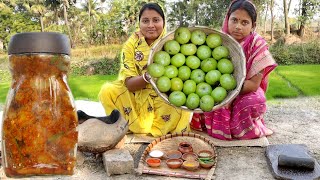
[118, 161]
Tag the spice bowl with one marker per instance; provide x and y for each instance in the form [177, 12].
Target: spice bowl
[185, 147]
[190, 165]
[190, 156]
[205, 154]
[153, 162]
[156, 154]
[174, 163]
[206, 164]
[173, 154]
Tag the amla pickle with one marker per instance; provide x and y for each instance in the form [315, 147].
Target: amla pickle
[39, 122]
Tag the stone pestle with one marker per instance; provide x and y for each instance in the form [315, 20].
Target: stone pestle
[99, 134]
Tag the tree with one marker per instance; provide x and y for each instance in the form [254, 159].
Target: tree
[65, 15]
[272, 19]
[12, 23]
[93, 8]
[39, 10]
[265, 17]
[286, 19]
[197, 12]
[61, 7]
[308, 8]
[176, 16]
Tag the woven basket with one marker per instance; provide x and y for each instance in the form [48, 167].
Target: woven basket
[236, 56]
[171, 142]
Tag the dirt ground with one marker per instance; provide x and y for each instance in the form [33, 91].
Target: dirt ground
[294, 121]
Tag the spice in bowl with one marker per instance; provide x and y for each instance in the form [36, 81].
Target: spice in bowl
[190, 156]
[174, 163]
[190, 165]
[206, 162]
[156, 154]
[205, 154]
[153, 162]
[174, 154]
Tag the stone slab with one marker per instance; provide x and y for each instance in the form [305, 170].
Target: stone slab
[298, 150]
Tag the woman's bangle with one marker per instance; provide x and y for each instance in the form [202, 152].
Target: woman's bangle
[144, 77]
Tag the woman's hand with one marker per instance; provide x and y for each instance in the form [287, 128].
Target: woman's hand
[138, 82]
[252, 84]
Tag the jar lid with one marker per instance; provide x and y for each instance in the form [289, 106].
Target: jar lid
[39, 42]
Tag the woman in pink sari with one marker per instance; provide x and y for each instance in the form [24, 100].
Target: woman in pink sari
[243, 118]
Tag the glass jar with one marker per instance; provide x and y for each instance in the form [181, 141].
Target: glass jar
[39, 135]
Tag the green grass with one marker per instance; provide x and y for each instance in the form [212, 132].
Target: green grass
[4, 88]
[88, 87]
[285, 82]
[306, 78]
[82, 87]
[280, 88]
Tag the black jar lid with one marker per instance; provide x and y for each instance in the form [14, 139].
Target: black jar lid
[39, 42]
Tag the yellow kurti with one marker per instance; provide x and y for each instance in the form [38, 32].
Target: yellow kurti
[144, 109]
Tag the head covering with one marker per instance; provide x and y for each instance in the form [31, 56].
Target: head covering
[154, 6]
[135, 53]
[226, 19]
[255, 48]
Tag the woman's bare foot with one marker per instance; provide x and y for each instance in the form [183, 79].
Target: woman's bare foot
[268, 131]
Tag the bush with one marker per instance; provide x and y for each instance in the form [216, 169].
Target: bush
[306, 53]
[103, 66]
[4, 69]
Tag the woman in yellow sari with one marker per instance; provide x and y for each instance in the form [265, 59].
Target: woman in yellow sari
[132, 94]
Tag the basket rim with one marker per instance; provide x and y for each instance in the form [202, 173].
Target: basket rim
[233, 94]
[208, 141]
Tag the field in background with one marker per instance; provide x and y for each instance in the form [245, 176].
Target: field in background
[285, 82]
[293, 81]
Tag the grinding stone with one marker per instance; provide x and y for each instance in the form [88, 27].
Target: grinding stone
[293, 150]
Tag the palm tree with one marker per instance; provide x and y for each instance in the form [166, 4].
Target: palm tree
[93, 7]
[59, 6]
[37, 8]
[65, 15]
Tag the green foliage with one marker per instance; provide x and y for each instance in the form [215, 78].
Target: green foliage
[103, 66]
[96, 60]
[13, 23]
[109, 51]
[5, 75]
[196, 12]
[306, 53]
[307, 10]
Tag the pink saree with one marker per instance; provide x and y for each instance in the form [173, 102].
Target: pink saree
[243, 119]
